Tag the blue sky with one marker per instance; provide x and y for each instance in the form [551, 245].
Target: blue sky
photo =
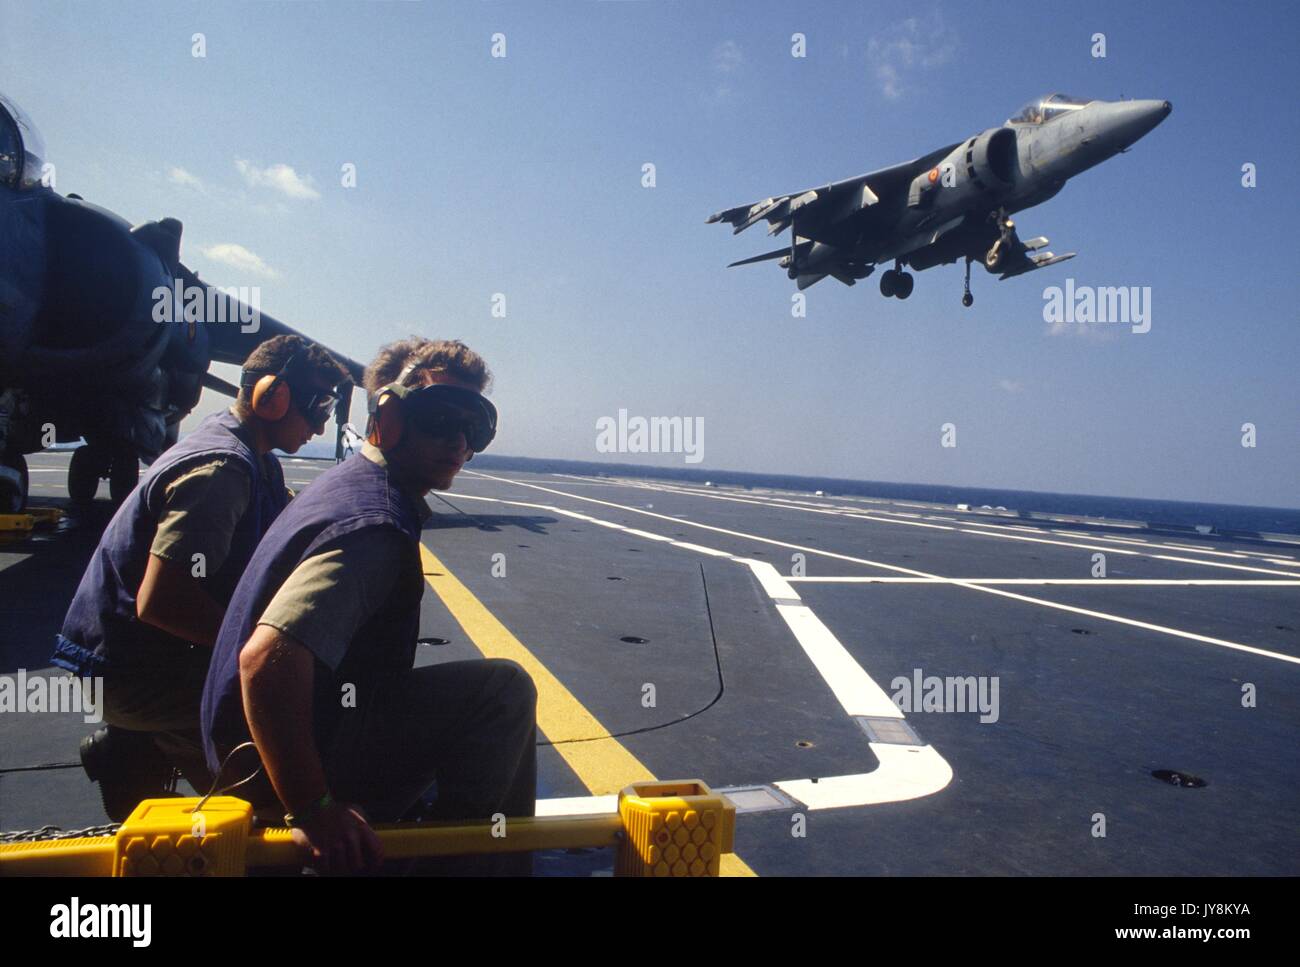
[522, 175]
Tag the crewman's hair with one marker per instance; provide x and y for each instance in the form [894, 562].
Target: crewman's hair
[270, 357]
[417, 354]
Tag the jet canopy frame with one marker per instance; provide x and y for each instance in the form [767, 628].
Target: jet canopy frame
[1048, 108]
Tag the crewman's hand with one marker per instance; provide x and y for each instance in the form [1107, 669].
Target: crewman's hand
[341, 841]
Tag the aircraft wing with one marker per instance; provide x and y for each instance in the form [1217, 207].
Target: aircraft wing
[231, 344]
[823, 212]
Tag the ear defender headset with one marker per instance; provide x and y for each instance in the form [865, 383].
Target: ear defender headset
[273, 393]
[438, 409]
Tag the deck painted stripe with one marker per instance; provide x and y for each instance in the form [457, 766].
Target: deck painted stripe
[921, 772]
[988, 529]
[1081, 582]
[604, 766]
[903, 772]
[983, 589]
[1116, 550]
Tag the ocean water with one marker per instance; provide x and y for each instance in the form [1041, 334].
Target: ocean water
[1176, 513]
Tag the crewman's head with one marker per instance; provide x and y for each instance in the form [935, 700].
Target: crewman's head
[439, 430]
[299, 386]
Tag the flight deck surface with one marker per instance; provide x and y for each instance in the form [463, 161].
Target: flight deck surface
[797, 646]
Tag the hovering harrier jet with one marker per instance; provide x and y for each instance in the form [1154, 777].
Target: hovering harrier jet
[952, 203]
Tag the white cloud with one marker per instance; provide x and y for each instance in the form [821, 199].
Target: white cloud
[725, 61]
[906, 48]
[280, 177]
[179, 176]
[1011, 385]
[1090, 332]
[238, 257]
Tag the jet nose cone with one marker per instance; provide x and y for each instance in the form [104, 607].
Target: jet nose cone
[1130, 120]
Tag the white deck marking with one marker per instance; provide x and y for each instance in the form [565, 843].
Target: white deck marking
[776, 586]
[1116, 550]
[983, 589]
[1270, 557]
[1156, 544]
[985, 529]
[920, 772]
[702, 549]
[646, 534]
[577, 806]
[905, 772]
[855, 690]
[779, 500]
[1157, 582]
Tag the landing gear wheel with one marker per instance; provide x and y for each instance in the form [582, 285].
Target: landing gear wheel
[888, 283]
[903, 287]
[83, 474]
[123, 474]
[967, 300]
[13, 493]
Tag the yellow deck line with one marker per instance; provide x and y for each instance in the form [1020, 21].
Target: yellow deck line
[603, 765]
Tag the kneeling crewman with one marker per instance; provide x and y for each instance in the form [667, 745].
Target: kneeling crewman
[314, 661]
[146, 613]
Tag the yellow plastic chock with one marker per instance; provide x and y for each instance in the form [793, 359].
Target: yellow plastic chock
[674, 829]
[20, 525]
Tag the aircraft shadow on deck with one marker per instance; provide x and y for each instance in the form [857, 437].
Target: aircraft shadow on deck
[490, 522]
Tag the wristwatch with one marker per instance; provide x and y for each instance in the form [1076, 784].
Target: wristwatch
[310, 812]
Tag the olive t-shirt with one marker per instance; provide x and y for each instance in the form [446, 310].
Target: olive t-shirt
[201, 509]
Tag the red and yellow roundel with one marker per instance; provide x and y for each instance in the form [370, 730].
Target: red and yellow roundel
[934, 175]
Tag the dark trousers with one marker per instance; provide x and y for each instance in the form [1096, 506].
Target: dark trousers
[162, 699]
[468, 727]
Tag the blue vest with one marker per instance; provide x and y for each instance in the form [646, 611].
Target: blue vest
[101, 626]
[355, 494]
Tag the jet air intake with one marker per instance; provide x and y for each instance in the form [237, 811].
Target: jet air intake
[980, 170]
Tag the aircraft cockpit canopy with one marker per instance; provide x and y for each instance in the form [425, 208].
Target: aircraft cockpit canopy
[1048, 108]
[22, 149]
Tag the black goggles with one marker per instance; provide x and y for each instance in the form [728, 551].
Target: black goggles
[443, 410]
[314, 404]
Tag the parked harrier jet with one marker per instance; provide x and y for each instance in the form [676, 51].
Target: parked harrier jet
[952, 203]
[82, 351]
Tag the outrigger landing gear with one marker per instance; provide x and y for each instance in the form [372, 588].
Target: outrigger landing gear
[967, 299]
